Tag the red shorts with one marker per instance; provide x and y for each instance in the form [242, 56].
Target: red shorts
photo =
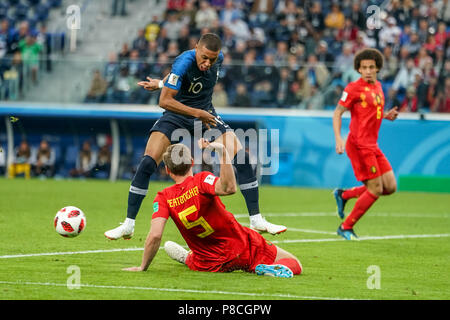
[258, 251]
[367, 163]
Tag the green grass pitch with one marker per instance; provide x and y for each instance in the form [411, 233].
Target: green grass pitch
[404, 252]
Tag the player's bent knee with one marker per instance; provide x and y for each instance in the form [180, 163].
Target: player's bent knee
[389, 190]
[376, 191]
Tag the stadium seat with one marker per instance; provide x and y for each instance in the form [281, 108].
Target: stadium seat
[41, 12]
[21, 11]
[3, 10]
[137, 156]
[133, 162]
[101, 174]
[55, 3]
[58, 156]
[70, 159]
[34, 2]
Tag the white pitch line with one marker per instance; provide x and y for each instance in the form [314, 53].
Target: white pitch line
[67, 253]
[247, 294]
[362, 238]
[289, 214]
[412, 215]
[333, 214]
[310, 231]
[412, 236]
[301, 230]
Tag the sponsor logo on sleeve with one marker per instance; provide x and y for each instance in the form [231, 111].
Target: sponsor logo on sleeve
[210, 179]
[173, 79]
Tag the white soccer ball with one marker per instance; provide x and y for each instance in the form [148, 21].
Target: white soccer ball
[70, 221]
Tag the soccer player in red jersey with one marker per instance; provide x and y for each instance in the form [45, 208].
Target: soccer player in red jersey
[218, 243]
[365, 100]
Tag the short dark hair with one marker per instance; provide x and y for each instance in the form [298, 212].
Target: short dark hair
[368, 54]
[178, 159]
[211, 41]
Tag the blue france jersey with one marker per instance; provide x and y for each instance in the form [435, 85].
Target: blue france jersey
[195, 87]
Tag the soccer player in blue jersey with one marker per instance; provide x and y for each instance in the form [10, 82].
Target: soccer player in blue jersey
[186, 97]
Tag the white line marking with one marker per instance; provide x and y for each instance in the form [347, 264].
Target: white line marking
[310, 231]
[68, 253]
[300, 230]
[412, 236]
[333, 214]
[406, 236]
[247, 294]
[411, 215]
[289, 214]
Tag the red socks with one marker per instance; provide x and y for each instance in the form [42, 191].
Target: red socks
[291, 264]
[354, 192]
[364, 202]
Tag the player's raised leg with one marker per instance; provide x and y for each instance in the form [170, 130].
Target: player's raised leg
[364, 202]
[389, 183]
[248, 183]
[342, 196]
[156, 146]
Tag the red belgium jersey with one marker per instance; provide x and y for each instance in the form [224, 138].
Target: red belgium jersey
[207, 227]
[366, 103]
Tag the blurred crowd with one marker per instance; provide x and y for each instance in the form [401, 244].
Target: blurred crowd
[292, 53]
[25, 44]
[91, 160]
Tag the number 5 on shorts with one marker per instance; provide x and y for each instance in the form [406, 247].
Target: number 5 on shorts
[199, 222]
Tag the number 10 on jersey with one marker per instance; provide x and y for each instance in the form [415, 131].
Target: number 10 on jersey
[195, 87]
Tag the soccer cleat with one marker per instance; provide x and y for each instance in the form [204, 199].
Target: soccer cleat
[176, 252]
[273, 270]
[123, 231]
[347, 234]
[340, 202]
[261, 226]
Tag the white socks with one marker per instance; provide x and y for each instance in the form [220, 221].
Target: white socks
[256, 219]
[129, 222]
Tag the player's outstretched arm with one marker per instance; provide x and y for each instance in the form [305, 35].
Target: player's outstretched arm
[337, 124]
[226, 184]
[152, 244]
[391, 114]
[152, 84]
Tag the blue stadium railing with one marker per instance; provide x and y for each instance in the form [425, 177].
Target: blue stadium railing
[297, 149]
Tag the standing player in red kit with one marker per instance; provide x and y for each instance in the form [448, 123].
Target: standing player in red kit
[218, 243]
[365, 100]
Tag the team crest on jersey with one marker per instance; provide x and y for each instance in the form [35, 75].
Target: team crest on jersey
[173, 79]
[155, 207]
[373, 169]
